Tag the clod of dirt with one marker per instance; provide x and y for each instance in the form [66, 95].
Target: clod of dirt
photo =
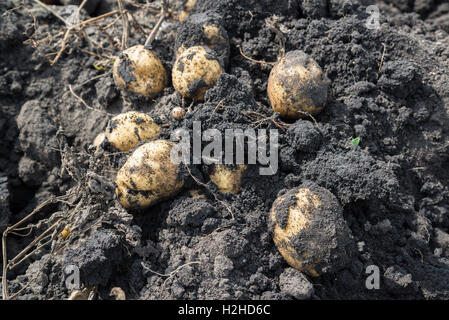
[303, 136]
[314, 8]
[442, 241]
[37, 134]
[295, 284]
[398, 281]
[189, 212]
[223, 266]
[96, 257]
[309, 230]
[196, 70]
[148, 176]
[231, 93]
[31, 172]
[400, 78]
[237, 14]
[297, 86]
[203, 29]
[352, 176]
[126, 130]
[139, 70]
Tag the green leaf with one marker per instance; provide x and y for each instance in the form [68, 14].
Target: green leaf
[355, 142]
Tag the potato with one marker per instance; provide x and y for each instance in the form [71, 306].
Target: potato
[297, 86]
[178, 113]
[139, 70]
[126, 130]
[197, 194]
[148, 176]
[203, 29]
[228, 179]
[309, 230]
[196, 70]
[187, 6]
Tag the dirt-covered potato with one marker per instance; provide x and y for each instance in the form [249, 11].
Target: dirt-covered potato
[203, 29]
[297, 86]
[126, 130]
[228, 179]
[309, 230]
[196, 70]
[148, 176]
[178, 113]
[139, 70]
[187, 6]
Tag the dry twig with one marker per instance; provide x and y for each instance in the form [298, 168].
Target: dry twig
[153, 33]
[125, 34]
[84, 102]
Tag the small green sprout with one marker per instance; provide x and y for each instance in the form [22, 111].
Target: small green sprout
[355, 142]
[98, 67]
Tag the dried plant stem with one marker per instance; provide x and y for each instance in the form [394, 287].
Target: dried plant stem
[43, 5]
[158, 24]
[85, 103]
[253, 60]
[8, 230]
[125, 34]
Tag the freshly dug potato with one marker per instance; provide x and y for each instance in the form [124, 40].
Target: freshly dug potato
[297, 86]
[196, 70]
[228, 179]
[139, 70]
[148, 176]
[178, 113]
[187, 6]
[309, 230]
[126, 130]
[203, 29]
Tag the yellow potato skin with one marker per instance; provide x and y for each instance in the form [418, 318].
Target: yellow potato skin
[148, 176]
[126, 130]
[228, 179]
[195, 71]
[299, 218]
[186, 8]
[140, 71]
[197, 194]
[297, 86]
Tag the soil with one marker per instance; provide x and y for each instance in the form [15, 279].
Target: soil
[389, 88]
